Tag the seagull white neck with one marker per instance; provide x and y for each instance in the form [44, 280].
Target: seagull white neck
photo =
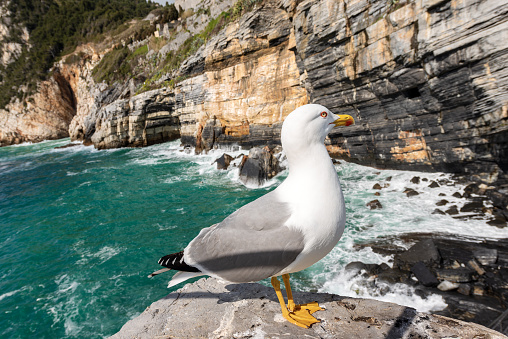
[313, 190]
[311, 166]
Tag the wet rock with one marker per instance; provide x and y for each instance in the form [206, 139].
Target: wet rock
[473, 206]
[434, 184]
[455, 265]
[498, 221]
[415, 180]
[69, 145]
[457, 195]
[355, 267]
[377, 194]
[425, 179]
[441, 202]
[452, 210]
[377, 187]
[438, 211]
[478, 290]
[471, 189]
[393, 276]
[259, 166]
[499, 198]
[442, 195]
[424, 275]
[460, 275]
[486, 256]
[465, 289]
[410, 192]
[475, 266]
[223, 161]
[374, 204]
[389, 179]
[424, 251]
[446, 285]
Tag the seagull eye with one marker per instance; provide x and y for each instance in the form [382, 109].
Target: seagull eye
[324, 114]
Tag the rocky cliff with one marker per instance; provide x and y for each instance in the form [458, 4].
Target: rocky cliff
[43, 115]
[424, 80]
[210, 308]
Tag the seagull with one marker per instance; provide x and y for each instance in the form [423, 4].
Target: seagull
[284, 231]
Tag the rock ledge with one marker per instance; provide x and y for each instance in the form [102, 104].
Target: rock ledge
[210, 308]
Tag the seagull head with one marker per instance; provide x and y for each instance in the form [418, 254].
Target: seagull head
[311, 124]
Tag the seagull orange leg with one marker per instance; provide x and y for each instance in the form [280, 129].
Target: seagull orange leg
[311, 307]
[299, 315]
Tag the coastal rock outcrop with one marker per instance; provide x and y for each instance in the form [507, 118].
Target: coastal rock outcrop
[143, 120]
[469, 275]
[210, 308]
[44, 115]
[259, 166]
[243, 83]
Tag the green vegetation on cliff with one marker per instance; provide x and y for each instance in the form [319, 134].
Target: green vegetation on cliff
[56, 27]
[174, 59]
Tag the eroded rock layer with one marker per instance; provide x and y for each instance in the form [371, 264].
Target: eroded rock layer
[44, 115]
[423, 79]
[249, 83]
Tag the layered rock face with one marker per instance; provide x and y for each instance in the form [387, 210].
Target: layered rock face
[44, 115]
[240, 87]
[423, 79]
[247, 83]
[143, 120]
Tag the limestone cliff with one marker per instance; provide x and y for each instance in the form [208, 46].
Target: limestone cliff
[44, 115]
[424, 80]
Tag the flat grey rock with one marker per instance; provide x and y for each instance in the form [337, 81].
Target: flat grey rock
[210, 308]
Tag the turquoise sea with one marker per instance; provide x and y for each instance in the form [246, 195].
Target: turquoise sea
[81, 229]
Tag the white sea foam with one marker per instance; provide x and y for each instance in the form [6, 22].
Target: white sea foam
[401, 214]
[90, 258]
[106, 253]
[356, 286]
[9, 294]
[165, 227]
[65, 304]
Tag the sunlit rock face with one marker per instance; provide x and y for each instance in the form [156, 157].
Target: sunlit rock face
[423, 79]
[249, 83]
[42, 116]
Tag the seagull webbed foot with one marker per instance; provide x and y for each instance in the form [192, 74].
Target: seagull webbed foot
[300, 315]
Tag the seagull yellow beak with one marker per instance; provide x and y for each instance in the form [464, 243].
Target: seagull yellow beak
[344, 120]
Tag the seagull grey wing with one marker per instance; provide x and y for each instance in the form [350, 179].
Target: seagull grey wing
[251, 244]
[266, 212]
[243, 255]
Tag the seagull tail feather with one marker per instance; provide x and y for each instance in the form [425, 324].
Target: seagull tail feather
[165, 269]
[182, 276]
[176, 261]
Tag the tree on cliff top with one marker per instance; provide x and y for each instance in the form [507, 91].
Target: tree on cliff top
[57, 27]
